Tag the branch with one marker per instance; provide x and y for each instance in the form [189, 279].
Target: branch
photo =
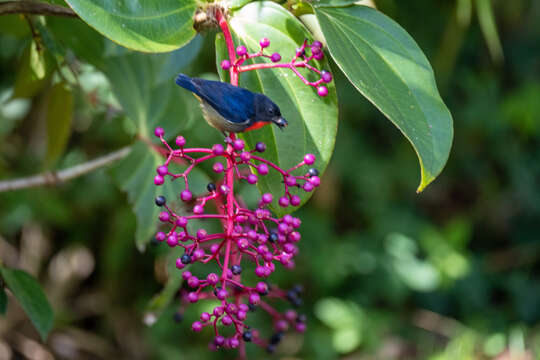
[58, 177]
[31, 7]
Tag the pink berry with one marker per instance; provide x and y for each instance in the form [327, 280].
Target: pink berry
[262, 169]
[193, 297]
[218, 149]
[158, 180]
[252, 179]
[309, 159]
[159, 131]
[264, 43]
[186, 195]
[275, 57]
[322, 91]
[196, 326]
[162, 170]
[198, 210]
[283, 201]
[179, 264]
[295, 200]
[317, 43]
[241, 50]
[267, 198]
[160, 236]
[218, 167]
[164, 216]
[225, 64]
[326, 76]
[180, 141]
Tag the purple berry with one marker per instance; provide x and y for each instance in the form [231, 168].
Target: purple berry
[262, 169]
[283, 201]
[241, 314]
[160, 236]
[318, 56]
[241, 50]
[214, 248]
[226, 320]
[186, 195]
[196, 326]
[186, 275]
[300, 327]
[218, 167]
[225, 64]
[186, 259]
[245, 156]
[308, 187]
[205, 317]
[193, 282]
[238, 144]
[259, 271]
[317, 43]
[309, 159]
[262, 288]
[264, 43]
[158, 180]
[222, 294]
[198, 210]
[162, 170]
[172, 241]
[322, 91]
[267, 198]
[290, 180]
[218, 149]
[326, 76]
[164, 216]
[219, 340]
[212, 279]
[201, 234]
[315, 181]
[193, 297]
[224, 189]
[234, 343]
[275, 57]
[295, 200]
[315, 49]
[236, 269]
[218, 311]
[159, 132]
[252, 179]
[182, 221]
[254, 299]
[179, 264]
[260, 147]
[180, 141]
[242, 243]
[198, 254]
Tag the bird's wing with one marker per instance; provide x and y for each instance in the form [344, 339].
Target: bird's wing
[235, 104]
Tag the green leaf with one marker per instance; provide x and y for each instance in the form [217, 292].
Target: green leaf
[29, 294]
[27, 84]
[3, 301]
[59, 116]
[312, 119]
[333, 3]
[150, 26]
[386, 65]
[486, 18]
[135, 175]
[37, 61]
[144, 85]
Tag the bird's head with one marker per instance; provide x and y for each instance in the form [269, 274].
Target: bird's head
[267, 111]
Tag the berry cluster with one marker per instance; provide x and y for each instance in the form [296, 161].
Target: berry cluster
[303, 55]
[251, 240]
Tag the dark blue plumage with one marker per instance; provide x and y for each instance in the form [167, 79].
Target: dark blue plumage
[231, 108]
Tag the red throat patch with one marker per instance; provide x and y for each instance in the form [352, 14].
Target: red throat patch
[256, 126]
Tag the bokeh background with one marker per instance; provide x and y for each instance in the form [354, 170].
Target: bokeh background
[451, 273]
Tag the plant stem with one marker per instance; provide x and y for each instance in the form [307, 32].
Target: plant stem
[58, 177]
[230, 46]
[34, 7]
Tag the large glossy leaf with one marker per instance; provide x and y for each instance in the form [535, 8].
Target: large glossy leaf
[29, 294]
[59, 116]
[135, 175]
[150, 25]
[312, 119]
[386, 65]
[144, 86]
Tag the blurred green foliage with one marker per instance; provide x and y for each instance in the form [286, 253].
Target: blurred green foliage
[448, 274]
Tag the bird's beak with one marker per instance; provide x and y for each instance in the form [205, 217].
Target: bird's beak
[280, 122]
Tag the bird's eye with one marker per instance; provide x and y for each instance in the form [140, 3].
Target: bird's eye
[270, 110]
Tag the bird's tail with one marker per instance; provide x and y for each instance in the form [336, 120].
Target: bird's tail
[186, 82]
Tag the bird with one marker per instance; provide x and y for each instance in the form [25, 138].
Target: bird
[230, 108]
